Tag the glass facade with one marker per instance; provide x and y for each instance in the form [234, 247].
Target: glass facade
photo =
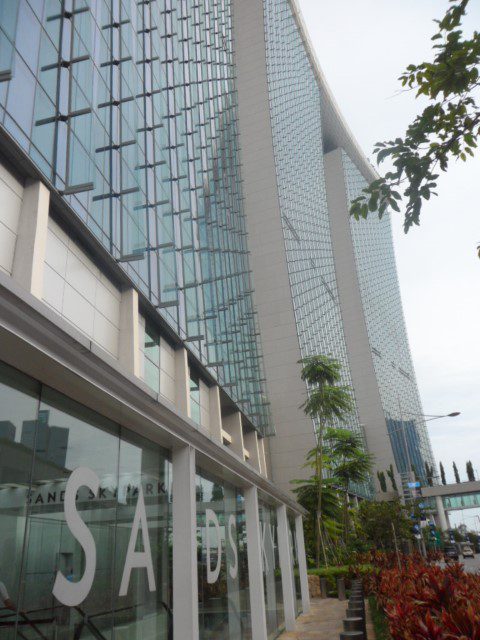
[298, 151]
[86, 528]
[47, 439]
[224, 598]
[382, 308]
[129, 110]
[292, 534]
[272, 575]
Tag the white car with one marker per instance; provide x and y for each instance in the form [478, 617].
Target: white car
[467, 552]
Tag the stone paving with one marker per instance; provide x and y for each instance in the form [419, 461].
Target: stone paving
[324, 622]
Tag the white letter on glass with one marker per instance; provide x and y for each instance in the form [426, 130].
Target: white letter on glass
[138, 559]
[73, 593]
[210, 516]
[231, 531]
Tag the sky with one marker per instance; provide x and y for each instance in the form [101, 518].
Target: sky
[363, 46]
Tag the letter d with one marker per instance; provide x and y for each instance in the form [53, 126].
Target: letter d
[73, 593]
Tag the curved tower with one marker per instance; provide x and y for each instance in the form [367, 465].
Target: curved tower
[324, 284]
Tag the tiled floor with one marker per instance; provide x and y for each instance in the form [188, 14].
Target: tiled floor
[324, 622]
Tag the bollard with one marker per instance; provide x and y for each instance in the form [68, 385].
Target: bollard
[358, 612]
[356, 601]
[341, 589]
[323, 587]
[355, 612]
[352, 635]
[353, 624]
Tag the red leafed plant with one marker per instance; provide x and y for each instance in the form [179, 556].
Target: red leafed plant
[423, 601]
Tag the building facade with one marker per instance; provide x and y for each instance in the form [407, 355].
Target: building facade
[135, 493]
[324, 283]
[174, 237]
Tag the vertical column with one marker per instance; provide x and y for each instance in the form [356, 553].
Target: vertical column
[185, 578]
[29, 257]
[182, 381]
[233, 426]
[442, 516]
[286, 566]
[250, 440]
[302, 564]
[255, 572]
[263, 460]
[129, 346]
[215, 425]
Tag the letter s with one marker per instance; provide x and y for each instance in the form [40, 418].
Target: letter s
[73, 593]
[231, 535]
[211, 516]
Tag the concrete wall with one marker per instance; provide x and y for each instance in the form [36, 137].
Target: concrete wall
[367, 395]
[11, 195]
[272, 295]
[79, 292]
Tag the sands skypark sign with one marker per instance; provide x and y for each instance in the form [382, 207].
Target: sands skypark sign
[73, 593]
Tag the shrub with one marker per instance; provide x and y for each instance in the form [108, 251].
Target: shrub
[348, 572]
[426, 602]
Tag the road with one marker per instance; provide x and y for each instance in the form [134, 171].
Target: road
[471, 565]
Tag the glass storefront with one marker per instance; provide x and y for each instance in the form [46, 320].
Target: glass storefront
[272, 575]
[297, 589]
[85, 529]
[62, 465]
[224, 599]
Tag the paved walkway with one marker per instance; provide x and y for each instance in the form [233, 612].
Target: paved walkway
[324, 622]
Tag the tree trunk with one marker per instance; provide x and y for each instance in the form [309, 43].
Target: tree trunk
[319, 473]
[345, 515]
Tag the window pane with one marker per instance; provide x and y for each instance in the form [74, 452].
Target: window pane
[145, 611]
[69, 436]
[18, 410]
[224, 600]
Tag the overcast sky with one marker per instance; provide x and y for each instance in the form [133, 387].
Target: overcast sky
[363, 46]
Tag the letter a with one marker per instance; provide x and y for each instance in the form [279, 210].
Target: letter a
[138, 559]
[73, 593]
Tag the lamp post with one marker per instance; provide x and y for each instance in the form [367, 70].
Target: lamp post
[429, 417]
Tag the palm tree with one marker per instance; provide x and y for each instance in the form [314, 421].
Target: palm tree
[307, 496]
[351, 464]
[327, 401]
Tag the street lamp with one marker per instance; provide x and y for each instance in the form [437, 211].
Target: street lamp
[401, 429]
[429, 417]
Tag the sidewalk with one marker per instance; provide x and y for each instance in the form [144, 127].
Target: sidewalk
[324, 622]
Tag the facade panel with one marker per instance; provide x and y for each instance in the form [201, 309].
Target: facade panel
[382, 307]
[129, 110]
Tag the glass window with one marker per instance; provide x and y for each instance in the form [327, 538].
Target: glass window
[144, 609]
[85, 522]
[272, 574]
[296, 571]
[224, 599]
[19, 399]
[67, 437]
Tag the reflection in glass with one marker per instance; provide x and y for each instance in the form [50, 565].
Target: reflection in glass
[69, 436]
[272, 575]
[224, 600]
[41, 444]
[18, 407]
[145, 610]
[297, 589]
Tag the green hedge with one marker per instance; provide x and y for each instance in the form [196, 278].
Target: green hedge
[346, 571]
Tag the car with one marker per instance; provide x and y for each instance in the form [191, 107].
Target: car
[450, 553]
[467, 551]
